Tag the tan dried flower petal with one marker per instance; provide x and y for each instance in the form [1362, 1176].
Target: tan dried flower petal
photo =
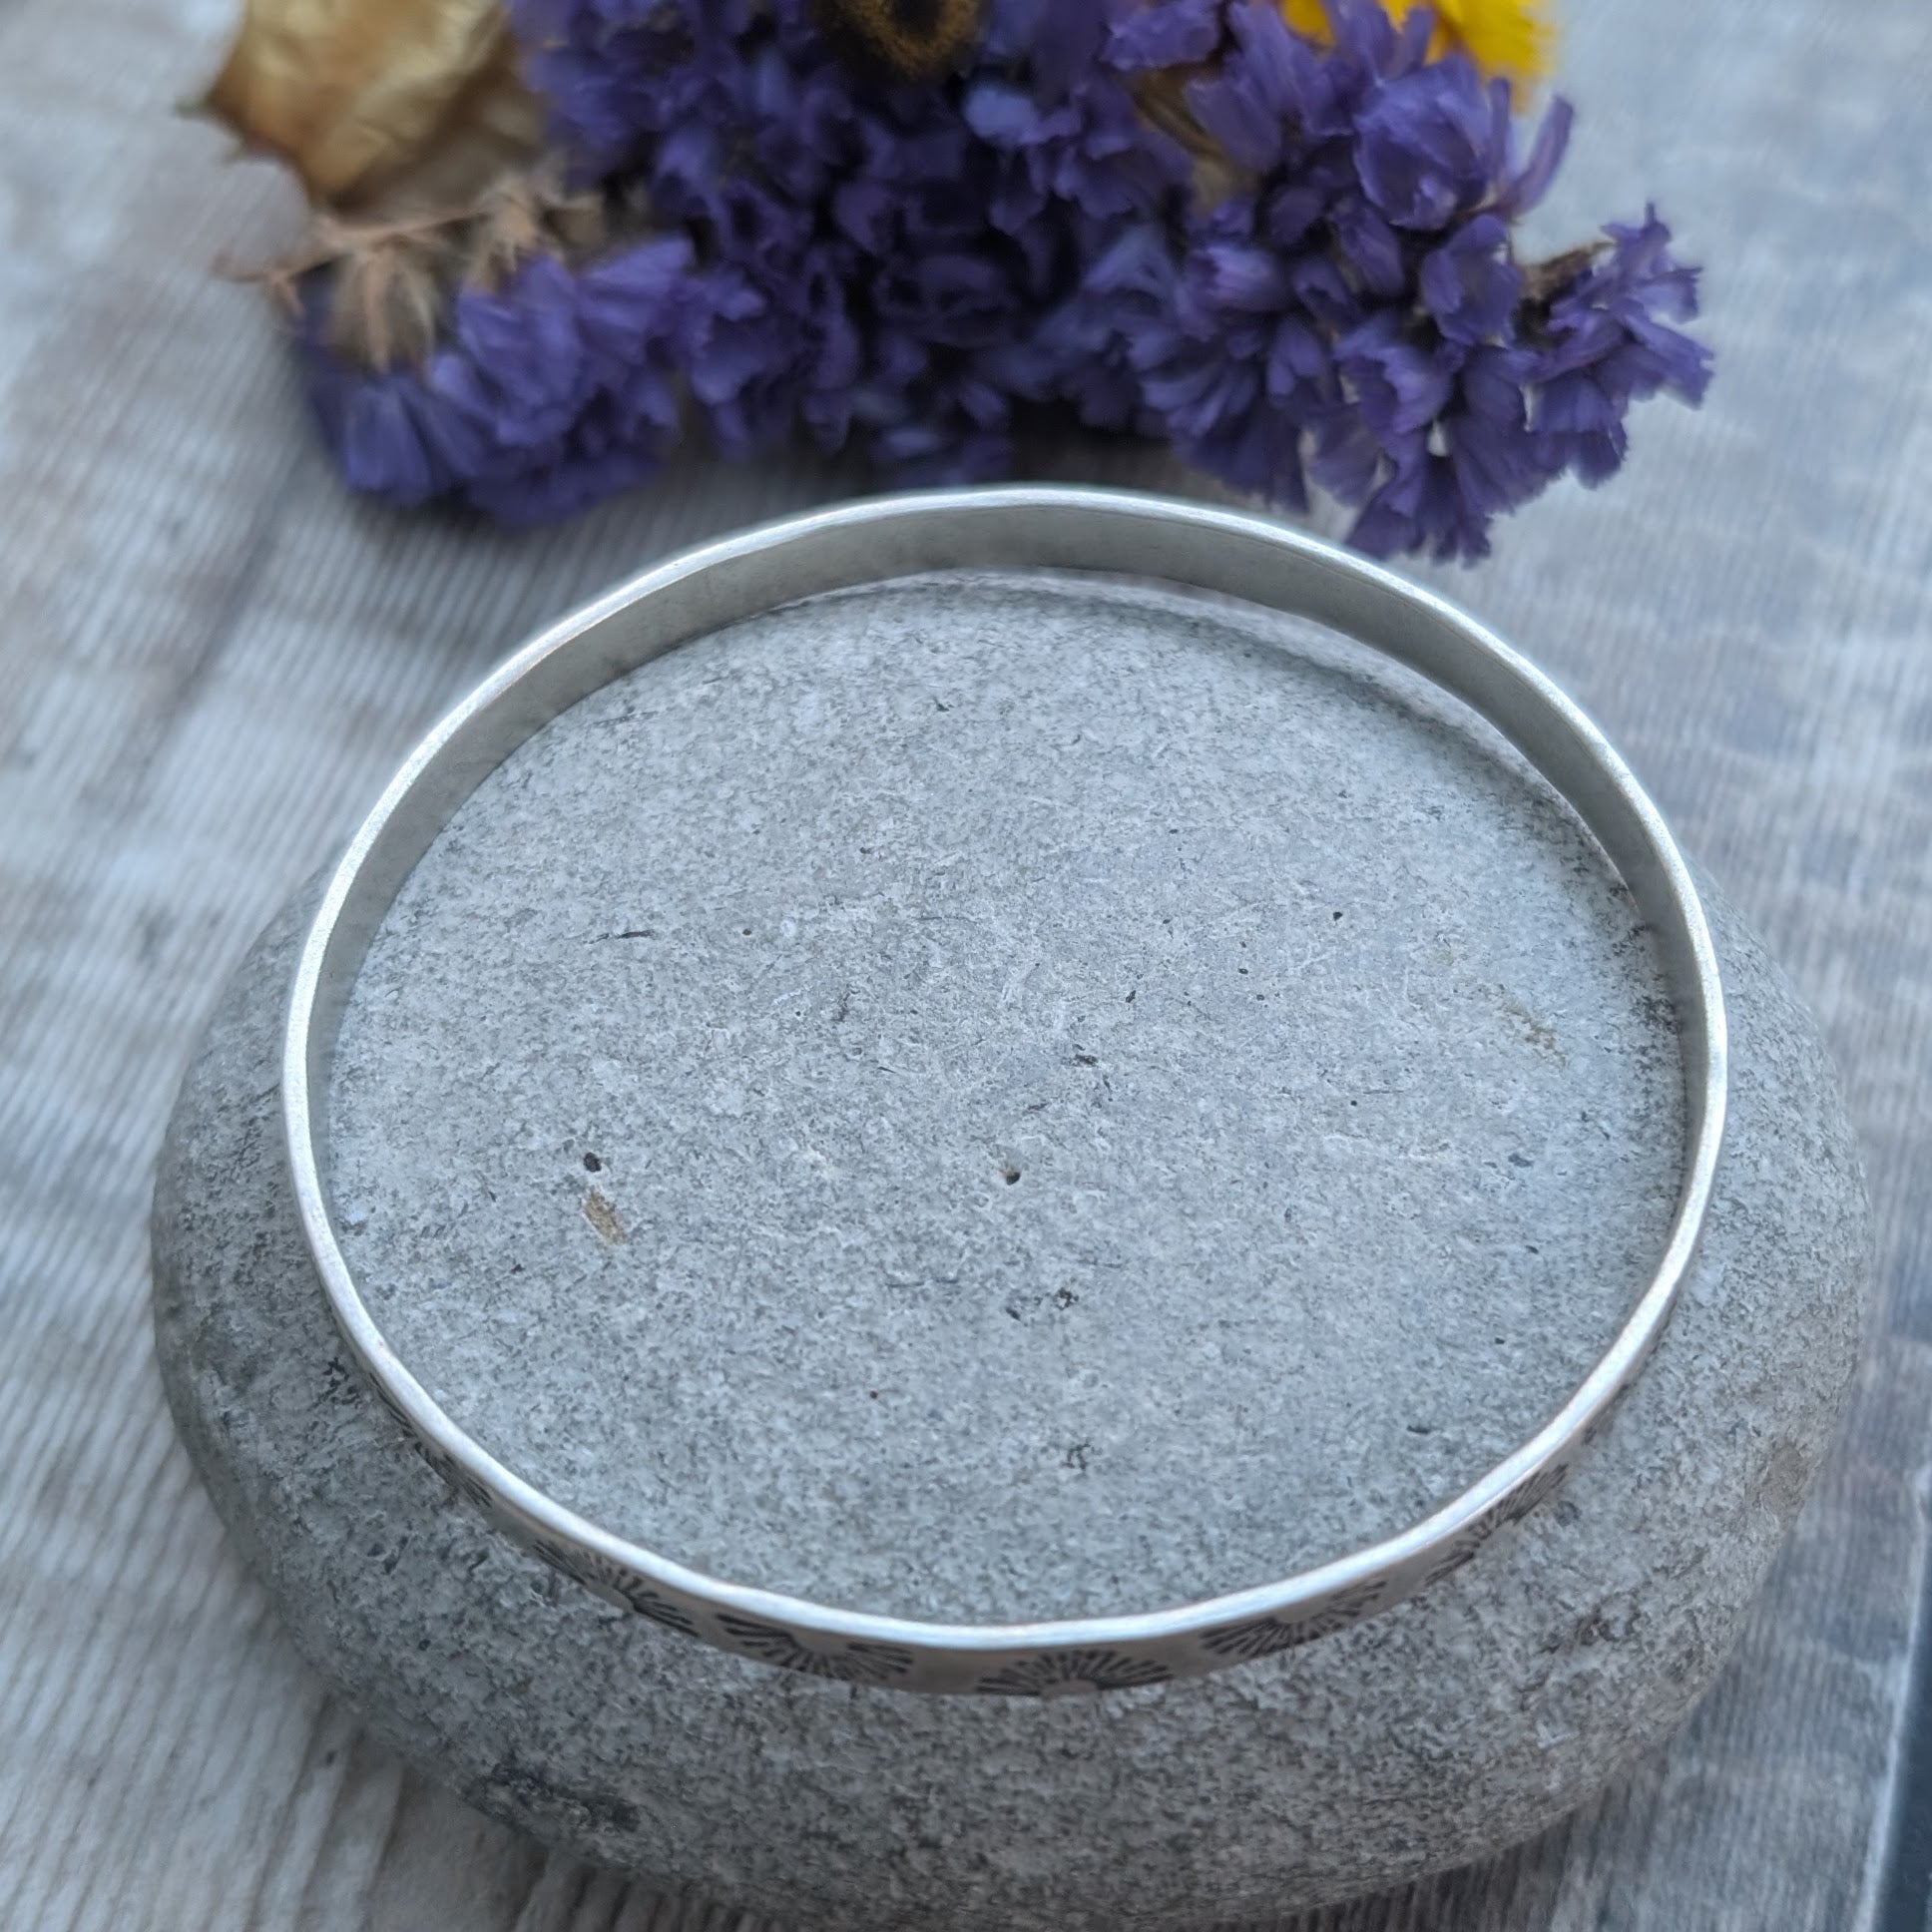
[380, 103]
[387, 302]
[391, 279]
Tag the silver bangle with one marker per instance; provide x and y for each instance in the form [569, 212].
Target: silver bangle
[1064, 529]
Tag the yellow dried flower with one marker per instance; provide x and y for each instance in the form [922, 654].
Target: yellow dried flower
[380, 103]
[1513, 38]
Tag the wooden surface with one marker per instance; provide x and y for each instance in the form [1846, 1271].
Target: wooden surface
[208, 662]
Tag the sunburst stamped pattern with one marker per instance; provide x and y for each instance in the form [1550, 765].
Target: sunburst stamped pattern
[1066, 1672]
[1512, 1509]
[461, 1484]
[465, 1486]
[1605, 1415]
[614, 1584]
[842, 1659]
[1265, 1636]
[388, 1400]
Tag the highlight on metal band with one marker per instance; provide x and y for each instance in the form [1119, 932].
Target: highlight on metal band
[1058, 528]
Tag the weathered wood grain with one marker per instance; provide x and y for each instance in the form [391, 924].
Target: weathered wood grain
[210, 660]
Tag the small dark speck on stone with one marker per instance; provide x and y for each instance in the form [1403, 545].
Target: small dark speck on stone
[1085, 1060]
[1334, 915]
[592, 1165]
[746, 930]
[1521, 1161]
[1129, 997]
[1012, 1175]
[1420, 1429]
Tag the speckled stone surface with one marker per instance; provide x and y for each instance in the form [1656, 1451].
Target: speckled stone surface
[658, 1213]
[1005, 1102]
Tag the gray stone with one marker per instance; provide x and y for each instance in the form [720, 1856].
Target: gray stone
[1014, 1098]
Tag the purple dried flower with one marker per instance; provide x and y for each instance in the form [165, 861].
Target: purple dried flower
[1608, 342]
[1530, 180]
[385, 436]
[518, 366]
[1276, 97]
[1356, 306]
[1090, 151]
[554, 389]
[611, 73]
[1550, 401]
[1241, 366]
[1442, 486]
[1332, 295]
[1082, 352]
[1432, 144]
[1398, 384]
[1166, 33]
[1470, 285]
